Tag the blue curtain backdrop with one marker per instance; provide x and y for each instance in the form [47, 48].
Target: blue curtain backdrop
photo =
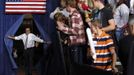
[7, 63]
[9, 24]
[55, 63]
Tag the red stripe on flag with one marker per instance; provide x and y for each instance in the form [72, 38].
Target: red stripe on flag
[25, 4]
[25, 8]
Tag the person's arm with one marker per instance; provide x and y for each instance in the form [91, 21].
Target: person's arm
[112, 50]
[121, 16]
[54, 12]
[11, 37]
[77, 23]
[65, 29]
[110, 27]
[114, 58]
[125, 15]
[37, 39]
[117, 17]
[111, 22]
[88, 20]
[16, 37]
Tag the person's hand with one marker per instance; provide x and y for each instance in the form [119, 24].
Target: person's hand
[15, 53]
[88, 20]
[115, 70]
[10, 37]
[65, 42]
[89, 53]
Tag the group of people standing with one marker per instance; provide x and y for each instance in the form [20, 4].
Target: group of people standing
[112, 30]
[108, 25]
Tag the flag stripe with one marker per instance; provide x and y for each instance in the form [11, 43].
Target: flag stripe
[25, 6]
[14, 7]
[25, 3]
[25, 9]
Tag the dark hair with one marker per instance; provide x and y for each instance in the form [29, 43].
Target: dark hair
[59, 17]
[71, 3]
[120, 2]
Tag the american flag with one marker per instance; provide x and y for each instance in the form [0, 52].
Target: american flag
[25, 6]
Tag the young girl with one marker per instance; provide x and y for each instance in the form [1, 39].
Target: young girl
[59, 17]
[104, 47]
[63, 24]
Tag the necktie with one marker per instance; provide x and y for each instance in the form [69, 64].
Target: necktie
[25, 45]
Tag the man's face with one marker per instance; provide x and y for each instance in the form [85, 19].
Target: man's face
[27, 30]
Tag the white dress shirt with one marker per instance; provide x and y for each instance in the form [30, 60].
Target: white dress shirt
[121, 15]
[30, 41]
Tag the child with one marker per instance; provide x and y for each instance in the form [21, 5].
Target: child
[105, 50]
[59, 17]
[63, 25]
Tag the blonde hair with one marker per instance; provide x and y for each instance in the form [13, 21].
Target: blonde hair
[96, 23]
